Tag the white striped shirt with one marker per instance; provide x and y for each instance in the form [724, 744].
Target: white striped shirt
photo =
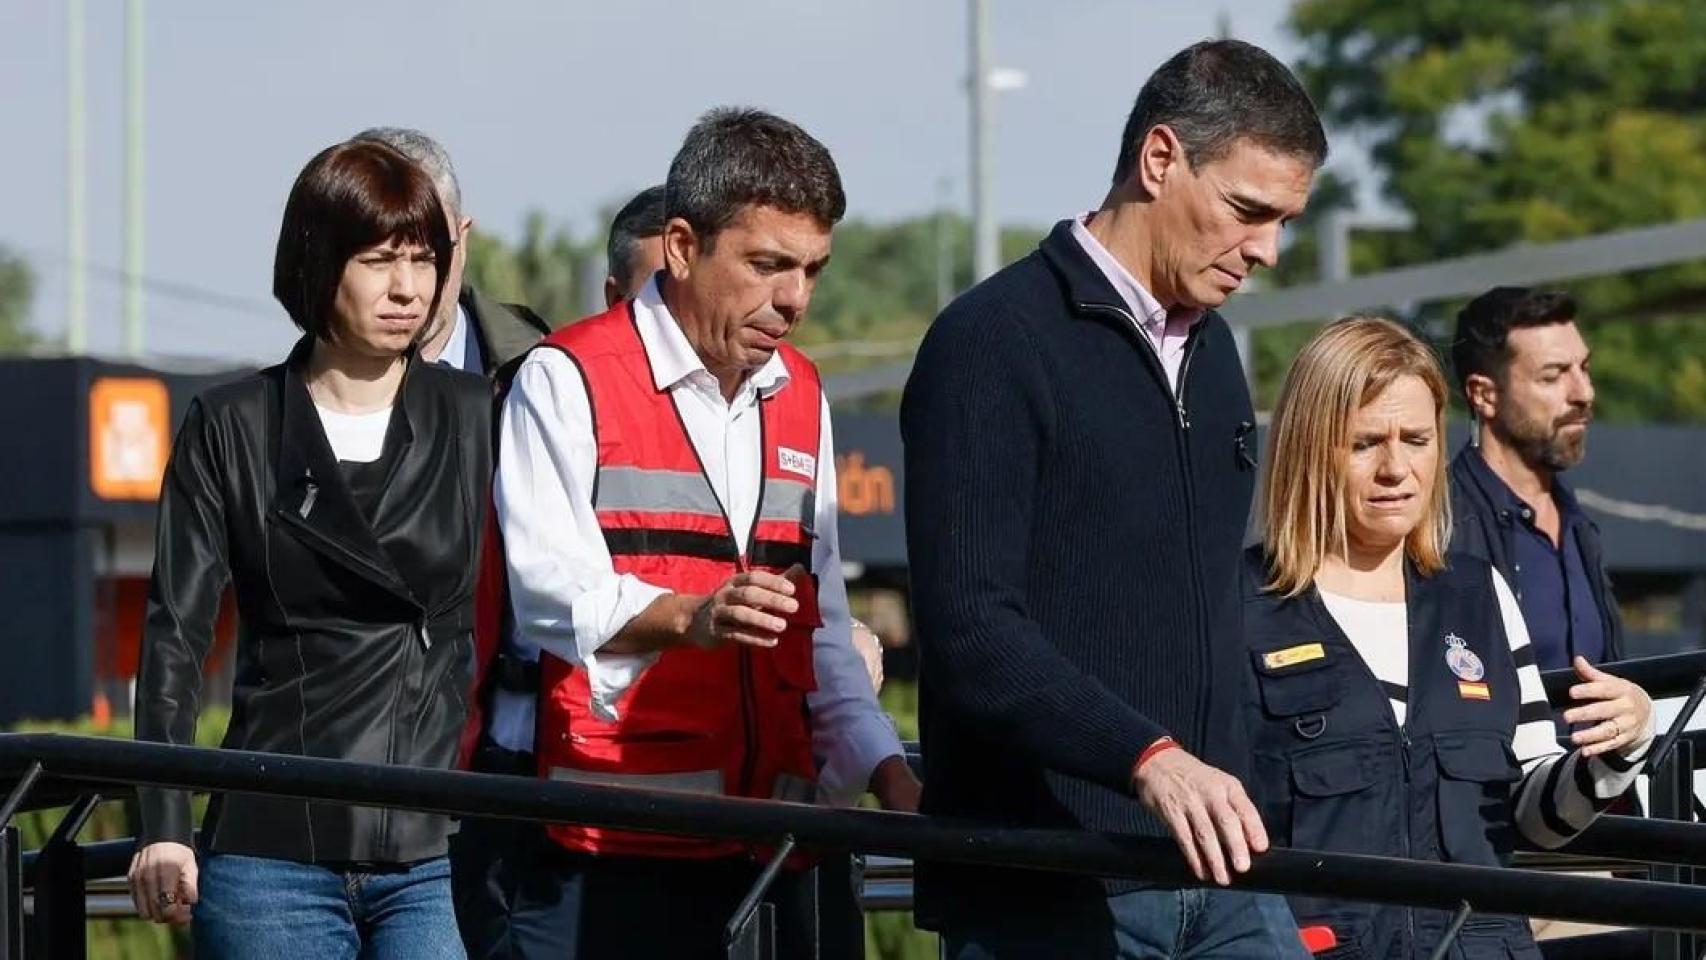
[1560, 793]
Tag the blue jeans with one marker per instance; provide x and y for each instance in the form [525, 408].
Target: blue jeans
[1197, 924]
[254, 908]
[522, 897]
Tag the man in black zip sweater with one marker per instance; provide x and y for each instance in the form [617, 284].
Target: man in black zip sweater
[1079, 463]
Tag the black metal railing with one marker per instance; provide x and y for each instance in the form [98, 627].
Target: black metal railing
[51, 769]
[87, 762]
[1663, 677]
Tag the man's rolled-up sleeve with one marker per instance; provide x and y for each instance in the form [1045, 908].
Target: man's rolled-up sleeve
[850, 732]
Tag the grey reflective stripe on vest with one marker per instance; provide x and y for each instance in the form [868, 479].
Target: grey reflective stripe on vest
[788, 501]
[692, 781]
[793, 789]
[655, 491]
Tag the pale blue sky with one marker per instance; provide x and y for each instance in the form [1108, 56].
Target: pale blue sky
[562, 106]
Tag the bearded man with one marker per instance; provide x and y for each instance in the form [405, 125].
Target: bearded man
[1523, 368]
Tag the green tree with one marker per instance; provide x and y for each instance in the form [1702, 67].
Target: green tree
[17, 290]
[545, 270]
[871, 305]
[881, 288]
[1505, 123]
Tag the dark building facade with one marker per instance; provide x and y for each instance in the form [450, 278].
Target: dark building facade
[87, 440]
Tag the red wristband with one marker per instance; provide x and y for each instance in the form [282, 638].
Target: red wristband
[1163, 744]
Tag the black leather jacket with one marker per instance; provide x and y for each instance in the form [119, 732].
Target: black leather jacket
[356, 634]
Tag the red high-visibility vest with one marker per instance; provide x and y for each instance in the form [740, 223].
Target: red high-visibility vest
[730, 721]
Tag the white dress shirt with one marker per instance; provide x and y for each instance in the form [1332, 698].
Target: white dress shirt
[1166, 330]
[565, 594]
[456, 352]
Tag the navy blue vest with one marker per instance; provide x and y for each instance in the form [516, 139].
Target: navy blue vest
[1334, 771]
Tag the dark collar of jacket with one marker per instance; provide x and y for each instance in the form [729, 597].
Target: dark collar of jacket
[1088, 293]
[309, 492]
[1082, 283]
[1485, 514]
[505, 330]
[1475, 477]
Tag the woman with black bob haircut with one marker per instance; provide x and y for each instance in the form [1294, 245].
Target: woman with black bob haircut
[341, 495]
[1394, 701]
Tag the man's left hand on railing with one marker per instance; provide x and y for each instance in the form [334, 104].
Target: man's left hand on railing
[895, 786]
[870, 647]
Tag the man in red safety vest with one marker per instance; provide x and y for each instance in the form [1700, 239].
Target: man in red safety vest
[676, 617]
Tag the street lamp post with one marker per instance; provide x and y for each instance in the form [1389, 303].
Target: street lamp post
[983, 81]
[984, 239]
[76, 155]
[134, 235]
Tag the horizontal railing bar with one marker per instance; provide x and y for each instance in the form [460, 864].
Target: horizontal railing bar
[1648, 840]
[101, 859]
[1612, 843]
[886, 868]
[1698, 739]
[1670, 675]
[96, 906]
[1348, 876]
[888, 895]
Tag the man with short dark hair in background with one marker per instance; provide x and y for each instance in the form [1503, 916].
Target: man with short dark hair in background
[1524, 370]
[1077, 483]
[635, 249]
[469, 331]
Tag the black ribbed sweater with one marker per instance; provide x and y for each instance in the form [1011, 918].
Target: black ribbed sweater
[1074, 538]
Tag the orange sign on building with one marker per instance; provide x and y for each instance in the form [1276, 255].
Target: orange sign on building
[130, 425]
[863, 489]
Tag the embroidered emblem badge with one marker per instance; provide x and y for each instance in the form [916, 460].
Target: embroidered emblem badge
[1464, 664]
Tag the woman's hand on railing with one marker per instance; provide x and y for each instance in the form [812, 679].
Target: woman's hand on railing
[163, 882]
[1620, 712]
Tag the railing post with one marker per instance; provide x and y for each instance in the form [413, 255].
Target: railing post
[20, 792]
[751, 932]
[1671, 795]
[60, 925]
[1690, 943]
[11, 895]
[840, 919]
[1661, 750]
[755, 939]
[12, 866]
[1442, 950]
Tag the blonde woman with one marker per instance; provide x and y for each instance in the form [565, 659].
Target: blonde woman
[1395, 707]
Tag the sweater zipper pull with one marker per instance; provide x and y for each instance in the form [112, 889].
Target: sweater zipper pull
[426, 638]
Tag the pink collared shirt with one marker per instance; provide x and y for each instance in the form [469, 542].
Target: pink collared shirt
[1167, 330]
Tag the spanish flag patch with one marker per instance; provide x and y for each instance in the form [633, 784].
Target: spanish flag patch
[1292, 656]
[1470, 690]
